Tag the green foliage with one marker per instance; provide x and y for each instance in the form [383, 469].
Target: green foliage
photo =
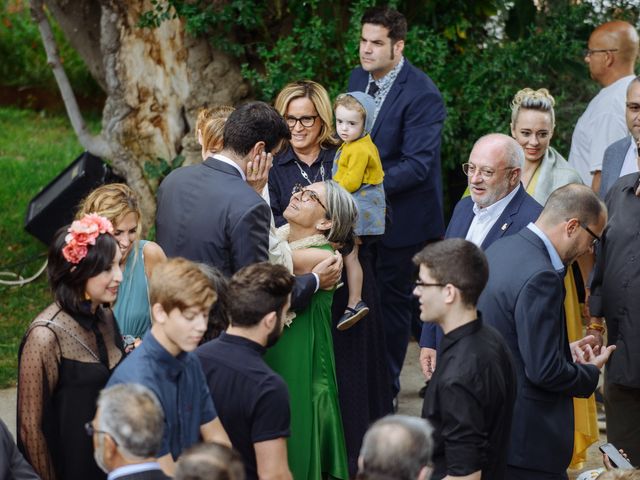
[156, 171]
[24, 62]
[34, 148]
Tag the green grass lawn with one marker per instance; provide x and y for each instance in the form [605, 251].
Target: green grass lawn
[34, 148]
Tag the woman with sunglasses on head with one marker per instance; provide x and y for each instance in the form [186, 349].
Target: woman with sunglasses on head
[545, 170]
[319, 215]
[69, 352]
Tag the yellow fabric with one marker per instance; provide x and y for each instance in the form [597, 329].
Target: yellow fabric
[358, 163]
[584, 409]
[533, 183]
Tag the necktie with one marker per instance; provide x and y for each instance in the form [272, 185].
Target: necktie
[373, 89]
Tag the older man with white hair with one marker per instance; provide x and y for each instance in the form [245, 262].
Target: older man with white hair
[127, 433]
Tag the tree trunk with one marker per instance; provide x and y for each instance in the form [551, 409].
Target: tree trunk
[156, 80]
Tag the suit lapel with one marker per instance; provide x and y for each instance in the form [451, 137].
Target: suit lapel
[461, 220]
[396, 89]
[504, 222]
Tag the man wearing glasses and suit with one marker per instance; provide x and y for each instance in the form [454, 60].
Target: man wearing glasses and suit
[498, 206]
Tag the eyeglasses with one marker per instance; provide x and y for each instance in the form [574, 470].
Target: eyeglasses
[306, 195]
[470, 169]
[306, 121]
[90, 430]
[596, 238]
[587, 52]
[421, 284]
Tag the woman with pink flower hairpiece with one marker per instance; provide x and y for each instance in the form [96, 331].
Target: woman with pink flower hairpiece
[69, 352]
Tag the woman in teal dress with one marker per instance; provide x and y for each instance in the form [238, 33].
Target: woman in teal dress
[118, 203]
[319, 216]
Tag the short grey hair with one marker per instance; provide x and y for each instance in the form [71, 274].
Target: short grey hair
[635, 79]
[209, 461]
[396, 446]
[513, 152]
[132, 415]
[341, 210]
[573, 201]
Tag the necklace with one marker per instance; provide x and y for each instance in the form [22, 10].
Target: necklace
[306, 177]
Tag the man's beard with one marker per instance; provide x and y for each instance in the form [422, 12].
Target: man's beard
[276, 333]
[98, 455]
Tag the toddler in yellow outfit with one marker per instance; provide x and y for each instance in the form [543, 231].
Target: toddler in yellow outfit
[358, 169]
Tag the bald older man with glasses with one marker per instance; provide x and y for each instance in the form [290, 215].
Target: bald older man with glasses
[611, 57]
[498, 206]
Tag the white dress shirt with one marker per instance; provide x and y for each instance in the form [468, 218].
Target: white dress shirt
[486, 217]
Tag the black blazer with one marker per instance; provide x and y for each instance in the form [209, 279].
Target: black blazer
[407, 133]
[523, 300]
[208, 213]
[13, 466]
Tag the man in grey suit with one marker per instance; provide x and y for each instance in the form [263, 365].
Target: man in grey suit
[523, 300]
[127, 433]
[621, 157]
[209, 213]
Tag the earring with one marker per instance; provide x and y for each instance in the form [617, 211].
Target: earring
[87, 296]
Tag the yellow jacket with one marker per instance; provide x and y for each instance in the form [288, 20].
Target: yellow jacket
[358, 163]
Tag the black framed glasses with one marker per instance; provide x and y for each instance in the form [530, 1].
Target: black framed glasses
[587, 52]
[306, 195]
[596, 238]
[307, 121]
[421, 284]
[90, 431]
[470, 170]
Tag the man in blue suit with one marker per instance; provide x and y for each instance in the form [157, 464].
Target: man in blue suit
[523, 300]
[621, 158]
[498, 207]
[407, 127]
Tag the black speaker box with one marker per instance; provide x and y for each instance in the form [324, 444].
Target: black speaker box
[56, 205]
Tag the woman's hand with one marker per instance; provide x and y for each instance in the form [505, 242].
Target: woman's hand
[329, 271]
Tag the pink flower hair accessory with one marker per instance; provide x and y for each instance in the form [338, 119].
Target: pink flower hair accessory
[82, 233]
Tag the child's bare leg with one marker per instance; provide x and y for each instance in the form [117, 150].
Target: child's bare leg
[356, 308]
[354, 276]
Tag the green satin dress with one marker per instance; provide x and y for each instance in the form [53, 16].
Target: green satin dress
[304, 358]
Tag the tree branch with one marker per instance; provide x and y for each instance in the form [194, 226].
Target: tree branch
[94, 144]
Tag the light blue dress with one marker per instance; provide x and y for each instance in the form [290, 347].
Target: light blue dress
[132, 310]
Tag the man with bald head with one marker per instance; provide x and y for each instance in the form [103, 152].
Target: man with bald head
[498, 206]
[611, 56]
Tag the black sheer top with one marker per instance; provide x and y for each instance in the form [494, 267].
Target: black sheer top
[64, 362]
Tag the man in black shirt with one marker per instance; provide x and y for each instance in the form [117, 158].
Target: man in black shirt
[252, 401]
[471, 395]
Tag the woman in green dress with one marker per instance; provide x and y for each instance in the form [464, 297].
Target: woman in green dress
[319, 216]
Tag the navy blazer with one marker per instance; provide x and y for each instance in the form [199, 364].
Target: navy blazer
[407, 133]
[524, 301]
[519, 212]
[612, 163]
[208, 213]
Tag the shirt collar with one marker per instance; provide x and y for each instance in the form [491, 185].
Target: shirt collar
[462, 331]
[289, 156]
[173, 366]
[242, 341]
[131, 469]
[553, 253]
[497, 208]
[227, 160]
[388, 79]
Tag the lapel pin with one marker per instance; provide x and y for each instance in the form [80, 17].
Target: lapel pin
[504, 227]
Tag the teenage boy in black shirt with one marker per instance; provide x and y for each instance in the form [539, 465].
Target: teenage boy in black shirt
[471, 395]
[251, 399]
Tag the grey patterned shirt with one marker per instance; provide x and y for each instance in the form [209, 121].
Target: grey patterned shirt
[384, 85]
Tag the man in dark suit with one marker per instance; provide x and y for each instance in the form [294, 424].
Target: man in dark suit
[408, 123]
[621, 158]
[523, 300]
[498, 206]
[13, 466]
[127, 433]
[209, 213]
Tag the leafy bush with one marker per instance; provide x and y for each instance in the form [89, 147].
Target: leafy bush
[24, 62]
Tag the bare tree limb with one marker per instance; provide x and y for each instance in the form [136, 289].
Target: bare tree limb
[94, 144]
